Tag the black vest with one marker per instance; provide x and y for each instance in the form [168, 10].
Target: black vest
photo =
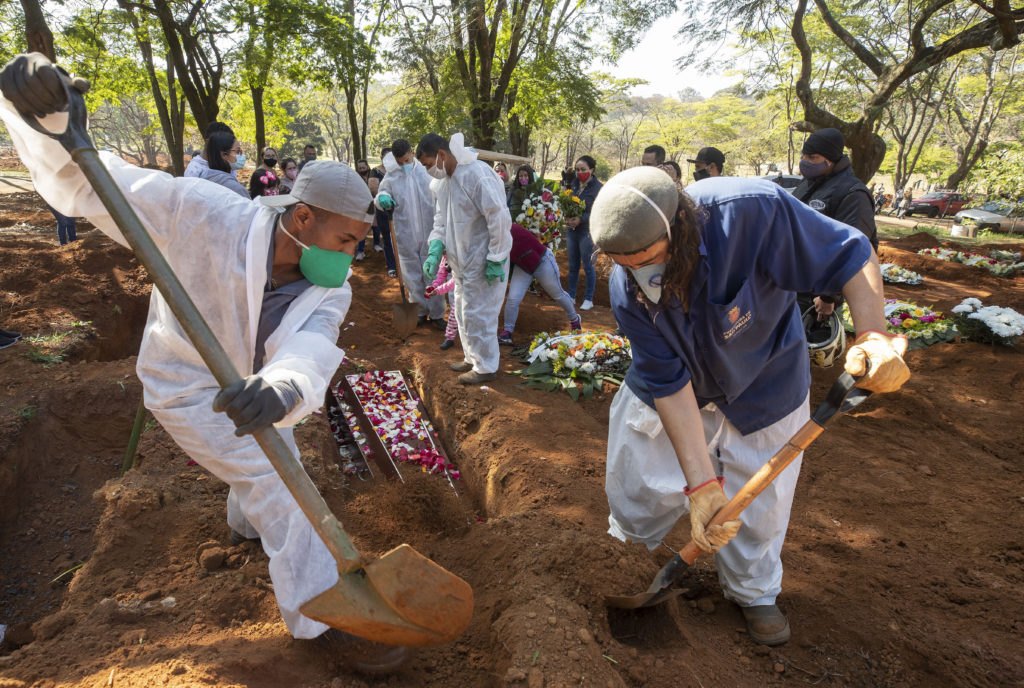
[825, 193]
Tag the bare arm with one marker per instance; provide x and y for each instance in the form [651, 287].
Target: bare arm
[864, 294]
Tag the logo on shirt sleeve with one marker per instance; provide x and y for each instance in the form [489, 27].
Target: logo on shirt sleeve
[817, 204]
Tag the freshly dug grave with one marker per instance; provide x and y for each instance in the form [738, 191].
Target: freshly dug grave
[904, 559]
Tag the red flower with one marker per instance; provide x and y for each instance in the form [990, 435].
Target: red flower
[546, 196]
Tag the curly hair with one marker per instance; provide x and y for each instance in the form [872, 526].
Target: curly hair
[683, 254]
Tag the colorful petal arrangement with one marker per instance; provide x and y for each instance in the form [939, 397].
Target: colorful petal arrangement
[921, 325]
[999, 263]
[395, 417]
[575, 361]
[988, 324]
[894, 274]
[538, 208]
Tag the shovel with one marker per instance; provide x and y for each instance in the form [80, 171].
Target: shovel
[402, 598]
[406, 314]
[841, 398]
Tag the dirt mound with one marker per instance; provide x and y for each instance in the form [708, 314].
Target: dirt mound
[87, 300]
[900, 567]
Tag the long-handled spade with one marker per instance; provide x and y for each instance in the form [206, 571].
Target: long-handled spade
[402, 598]
[841, 398]
[405, 314]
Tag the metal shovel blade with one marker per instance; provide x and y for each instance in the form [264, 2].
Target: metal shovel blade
[403, 598]
[659, 591]
[405, 316]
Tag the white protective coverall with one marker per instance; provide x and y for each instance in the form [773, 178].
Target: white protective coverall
[414, 218]
[644, 483]
[217, 244]
[473, 221]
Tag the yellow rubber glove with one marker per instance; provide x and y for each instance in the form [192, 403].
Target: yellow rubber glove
[887, 371]
[705, 502]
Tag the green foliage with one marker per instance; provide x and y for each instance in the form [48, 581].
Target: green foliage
[1001, 173]
[47, 360]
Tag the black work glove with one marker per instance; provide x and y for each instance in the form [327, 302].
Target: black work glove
[36, 86]
[254, 404]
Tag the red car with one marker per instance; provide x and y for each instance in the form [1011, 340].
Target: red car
[938, 203]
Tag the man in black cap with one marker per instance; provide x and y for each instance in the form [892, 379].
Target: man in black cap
[831, 188]
[709, 163]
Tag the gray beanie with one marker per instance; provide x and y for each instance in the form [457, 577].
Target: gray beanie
[631, 211]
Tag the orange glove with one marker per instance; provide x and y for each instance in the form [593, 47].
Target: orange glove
[705, 501]
[884, 351]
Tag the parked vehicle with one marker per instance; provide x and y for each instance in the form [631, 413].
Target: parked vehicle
[938, 203]
[1001, 215]
[789, 182]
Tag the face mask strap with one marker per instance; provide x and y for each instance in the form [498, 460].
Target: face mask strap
[650, 202]
[280, 223]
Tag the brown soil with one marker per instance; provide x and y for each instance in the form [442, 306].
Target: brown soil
[904, 561]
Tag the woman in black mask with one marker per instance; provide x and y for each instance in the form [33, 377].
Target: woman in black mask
[264, 181]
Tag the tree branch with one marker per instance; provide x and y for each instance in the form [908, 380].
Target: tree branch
[858, 48]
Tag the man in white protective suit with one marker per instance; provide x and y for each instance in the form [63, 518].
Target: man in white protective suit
[271, 283]
[405, 189]
[472, 224]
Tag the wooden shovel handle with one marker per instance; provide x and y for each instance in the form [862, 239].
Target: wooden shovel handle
[842, 397]
[398, 263]
[758, 483]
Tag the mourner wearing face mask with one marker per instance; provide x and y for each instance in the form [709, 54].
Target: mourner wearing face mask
[831, 188]
[264, 180]
[709, 163]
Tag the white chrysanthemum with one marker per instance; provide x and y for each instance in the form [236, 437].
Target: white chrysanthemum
[587, 367]
[571, 363]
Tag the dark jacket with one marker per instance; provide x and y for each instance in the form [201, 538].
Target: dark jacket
[843, 197]
[587, 195]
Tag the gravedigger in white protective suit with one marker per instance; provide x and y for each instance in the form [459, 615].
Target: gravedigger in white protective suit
[405, 189]
[271, 283]
[472, 224]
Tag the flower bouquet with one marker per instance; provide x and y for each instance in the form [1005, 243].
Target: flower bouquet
[999, 263]
[538, 208]
[988, 324]
[575, 361]
[894, 274]
[397, 420]
[921, 325]
[572, 205]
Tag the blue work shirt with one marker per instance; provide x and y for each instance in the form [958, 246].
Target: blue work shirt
[742, 344]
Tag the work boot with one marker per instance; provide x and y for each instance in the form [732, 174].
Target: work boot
[237, 538]
[364, 656]
[447, 344]
[766, 624]
[461, 367]
[473, 377]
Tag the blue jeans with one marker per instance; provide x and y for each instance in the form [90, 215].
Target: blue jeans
[547, 275]
[581, 249]
[382, 237]
[65, 227]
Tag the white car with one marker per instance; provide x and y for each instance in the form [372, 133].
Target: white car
[1001, 215]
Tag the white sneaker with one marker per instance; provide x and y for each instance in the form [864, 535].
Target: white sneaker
[586, 305]
[360, 255]
[378, 248]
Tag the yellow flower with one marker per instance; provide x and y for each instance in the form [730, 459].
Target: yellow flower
[909, 322]
[529, 212]
[576, 200]
[918, 313]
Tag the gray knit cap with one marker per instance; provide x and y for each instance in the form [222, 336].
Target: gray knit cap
[633, 210]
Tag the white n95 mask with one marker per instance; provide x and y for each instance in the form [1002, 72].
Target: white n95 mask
[649, 279]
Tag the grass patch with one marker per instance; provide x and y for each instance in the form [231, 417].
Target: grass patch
[26, 412]
[888, 232]
[45, 359]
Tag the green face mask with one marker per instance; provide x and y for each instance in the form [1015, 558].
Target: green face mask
[321, 267]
